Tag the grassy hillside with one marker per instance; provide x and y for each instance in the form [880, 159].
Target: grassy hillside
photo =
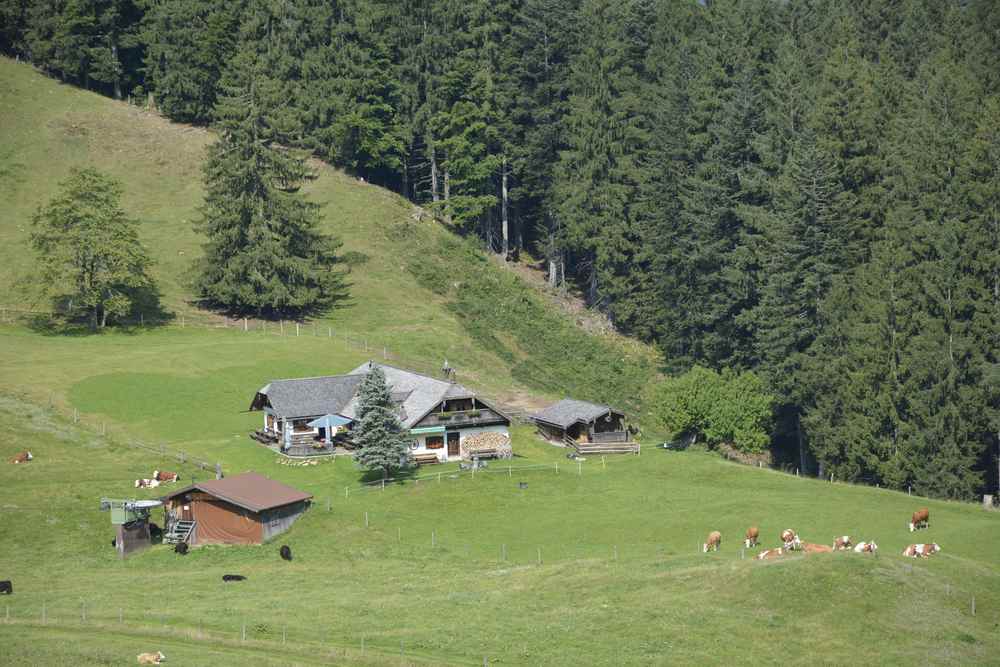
[620, 579]
[422, 292]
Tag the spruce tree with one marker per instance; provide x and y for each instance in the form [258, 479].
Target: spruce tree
[379, 436]
[264, 255]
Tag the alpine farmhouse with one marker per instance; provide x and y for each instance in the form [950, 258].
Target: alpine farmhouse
[304, 413]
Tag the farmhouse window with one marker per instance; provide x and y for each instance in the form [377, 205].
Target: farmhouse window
[435, 442]
[301, 425]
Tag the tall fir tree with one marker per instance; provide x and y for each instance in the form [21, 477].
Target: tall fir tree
[265, 254]
[378, 435]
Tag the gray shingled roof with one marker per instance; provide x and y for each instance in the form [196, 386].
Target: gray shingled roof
[422, 392]
[337, 394]
[569, 411]
[310, 397]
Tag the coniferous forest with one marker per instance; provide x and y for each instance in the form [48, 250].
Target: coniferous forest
[807, 189]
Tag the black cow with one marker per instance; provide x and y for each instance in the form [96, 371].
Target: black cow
[6, 587]
[114, 541]
[286, 552]
[155, 533]
[233, 577]
[181, 548]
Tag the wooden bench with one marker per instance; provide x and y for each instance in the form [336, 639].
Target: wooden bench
[425, 459]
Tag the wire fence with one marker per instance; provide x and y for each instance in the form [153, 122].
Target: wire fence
[192, 465]
[367, 346]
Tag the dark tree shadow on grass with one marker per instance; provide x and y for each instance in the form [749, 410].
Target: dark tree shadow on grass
[147, 312]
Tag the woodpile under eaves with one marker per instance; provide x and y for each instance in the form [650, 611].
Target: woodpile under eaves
[487, 444]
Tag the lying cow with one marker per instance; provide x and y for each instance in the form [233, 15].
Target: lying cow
[921, 550]
[22, 457]
[164, 476]
[146, 483]
[6, 588]
[233, 577]
[713, 543]
[151, 658]
[811, 548]
[865, 548]
[920, 519]
[753, 534]
[286, 552]
[842, 543]
[790, 540]
[768, 554]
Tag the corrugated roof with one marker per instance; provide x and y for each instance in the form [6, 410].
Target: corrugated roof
[249, 490]
[569, 411]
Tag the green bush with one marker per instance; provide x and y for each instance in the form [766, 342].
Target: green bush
[730, 407]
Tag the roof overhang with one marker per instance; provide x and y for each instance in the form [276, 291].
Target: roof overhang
[427, 429]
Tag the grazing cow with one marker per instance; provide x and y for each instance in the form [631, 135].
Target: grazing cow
[865, 548]
[181, 548]
[286, 552]
[22, 457]
[233, 577]
[164, 476]
[790, 540]
[151, 658]
[6, 588]
[714, 541]
[752, 536]
[155, 533]
[114, 541]
[921, 550]
[811, 548]
[920, 519]
[768, 554]
[842, 543]
[146, 483]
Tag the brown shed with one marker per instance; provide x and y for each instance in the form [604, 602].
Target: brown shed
[243, 509]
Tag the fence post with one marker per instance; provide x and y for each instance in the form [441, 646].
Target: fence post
[579, 468]
[296, 329]
[281, 323]
[433, 538]
[366, 519]
[183, 322]
[385, 354]
[539, 555]
[329, 332]
[43, 613]
[616, 552]
[347, 492]
[383, 484]
[244, 635]
[284, 630]
[245, 324]
[604, 462]
[973, 605]
[557, 467]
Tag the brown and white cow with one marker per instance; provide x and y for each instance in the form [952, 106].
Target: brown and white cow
[164, 476]
[146, 483]
[768, 554]
[842, 543]
[865, 548]
[811, 548]
[22, 457]
[921, 550]
[753, 536]
[790, 540]
[151, 658]
[713, 543]
[920, 519]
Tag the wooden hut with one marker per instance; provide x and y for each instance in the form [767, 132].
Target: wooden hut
[243, 509]
[590, 428]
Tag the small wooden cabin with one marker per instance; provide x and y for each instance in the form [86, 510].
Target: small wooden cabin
[243, 509]
[588, 427]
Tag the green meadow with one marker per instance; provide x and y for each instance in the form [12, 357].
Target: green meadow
[590, 563]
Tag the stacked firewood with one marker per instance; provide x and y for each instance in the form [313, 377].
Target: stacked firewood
[487, 444]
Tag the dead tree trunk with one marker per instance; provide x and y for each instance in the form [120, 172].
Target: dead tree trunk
[503, 209]
[117, 81]
[434, 171]
[447, 195]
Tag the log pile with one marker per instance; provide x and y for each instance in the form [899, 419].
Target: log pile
[486, 445]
